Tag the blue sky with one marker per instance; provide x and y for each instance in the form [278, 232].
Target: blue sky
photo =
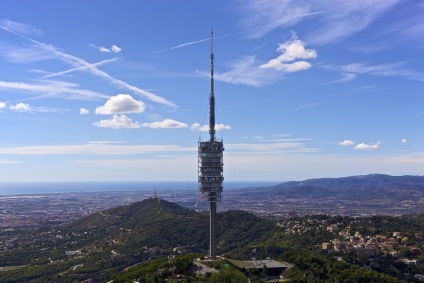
[118, 90]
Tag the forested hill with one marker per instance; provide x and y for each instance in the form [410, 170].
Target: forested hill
[159, 223]
[106, 242]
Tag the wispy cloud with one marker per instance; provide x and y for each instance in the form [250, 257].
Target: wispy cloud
[92, 149]
[19, 27]
[305, 106]
[346, 77]
[403, 141]
[408, 27]
[25, 55]
[117, 148]
[281, 135]
[25, 107]
[8, 162]
[369, 48]
[80, 63]
[340, 19]
[2, 105]
[280, 147]
[48, 88]
[386, 70]
[246, 31]
[245, 71]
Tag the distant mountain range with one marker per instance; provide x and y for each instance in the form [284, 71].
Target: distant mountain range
[356, 182]
[365, 187]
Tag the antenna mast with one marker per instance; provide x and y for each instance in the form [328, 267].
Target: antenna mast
[212, 97]
[210, 160]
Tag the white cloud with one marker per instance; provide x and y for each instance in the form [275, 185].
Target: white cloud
[364, 146]
[2, 105]
[118, 122]
[346, 143]
[165, 124]
[205, 128]
[245, 71]
[292, 50]
[21, 107]
[84, 111]
[121, 103]
[116, 49]
[113, 48]
[403, 141]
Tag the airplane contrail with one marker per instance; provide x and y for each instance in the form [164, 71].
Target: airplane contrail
[78, 63]
[227, 35]
[181, 45]
[80, 68]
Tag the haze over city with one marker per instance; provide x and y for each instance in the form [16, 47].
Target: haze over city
[118, 91]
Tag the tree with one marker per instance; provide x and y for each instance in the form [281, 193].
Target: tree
[264, 273]
[228, 275]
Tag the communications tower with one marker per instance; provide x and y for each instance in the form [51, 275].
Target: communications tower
[210, 168]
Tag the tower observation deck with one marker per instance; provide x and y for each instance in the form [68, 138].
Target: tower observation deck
[210, 164]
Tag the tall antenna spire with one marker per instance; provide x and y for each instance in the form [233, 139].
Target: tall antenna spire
[212, 97]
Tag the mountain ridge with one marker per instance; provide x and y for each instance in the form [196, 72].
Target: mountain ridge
[363, 181]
